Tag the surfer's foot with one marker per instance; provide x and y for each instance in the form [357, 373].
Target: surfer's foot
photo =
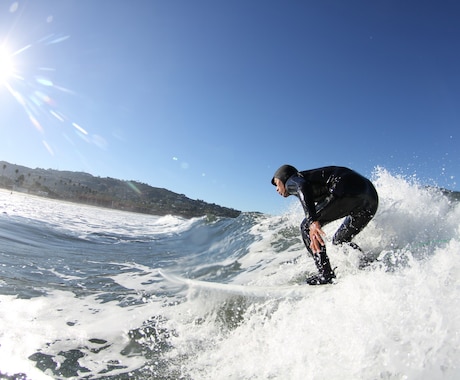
[325, 273]
[321, 278]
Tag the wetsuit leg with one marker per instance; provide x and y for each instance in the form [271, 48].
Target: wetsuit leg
[351, 226]
[305, 232]
[325, 272]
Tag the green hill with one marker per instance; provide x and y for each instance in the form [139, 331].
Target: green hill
[106, 192]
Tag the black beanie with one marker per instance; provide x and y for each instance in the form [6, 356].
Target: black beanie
[284, 173]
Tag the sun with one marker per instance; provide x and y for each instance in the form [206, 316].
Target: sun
[6, 65]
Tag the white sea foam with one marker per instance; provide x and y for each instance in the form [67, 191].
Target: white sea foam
[85, 220]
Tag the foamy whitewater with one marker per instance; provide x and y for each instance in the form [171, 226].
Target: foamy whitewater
[82, 293]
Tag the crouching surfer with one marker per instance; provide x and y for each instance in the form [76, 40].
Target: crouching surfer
[328, 194]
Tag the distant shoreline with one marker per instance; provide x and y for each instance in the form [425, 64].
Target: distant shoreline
[83, 188]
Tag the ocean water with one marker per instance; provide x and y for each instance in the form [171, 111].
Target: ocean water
[83, 293]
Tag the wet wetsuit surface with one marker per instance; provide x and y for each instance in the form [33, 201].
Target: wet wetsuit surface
[331, 193]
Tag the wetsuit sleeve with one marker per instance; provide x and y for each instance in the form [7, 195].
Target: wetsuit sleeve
[300, 187]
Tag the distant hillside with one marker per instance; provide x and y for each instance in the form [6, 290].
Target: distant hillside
[106, 192]
[452, 195]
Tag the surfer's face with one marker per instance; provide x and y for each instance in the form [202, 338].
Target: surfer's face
[280, 188]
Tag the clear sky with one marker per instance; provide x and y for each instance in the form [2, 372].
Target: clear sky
[208, 98]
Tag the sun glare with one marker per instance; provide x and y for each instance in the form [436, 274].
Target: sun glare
[36, 92]
[6, 65]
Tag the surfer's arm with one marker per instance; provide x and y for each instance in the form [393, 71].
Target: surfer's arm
[299, 187]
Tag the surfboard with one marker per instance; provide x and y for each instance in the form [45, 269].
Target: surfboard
[281, 291]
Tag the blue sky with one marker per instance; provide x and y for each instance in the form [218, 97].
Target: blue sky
[209, 98]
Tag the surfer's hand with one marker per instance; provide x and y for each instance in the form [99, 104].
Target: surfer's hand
[316, 237]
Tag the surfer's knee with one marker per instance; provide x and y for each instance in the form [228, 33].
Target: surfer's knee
[339, 240]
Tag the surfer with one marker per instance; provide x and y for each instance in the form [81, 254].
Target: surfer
[328, 194]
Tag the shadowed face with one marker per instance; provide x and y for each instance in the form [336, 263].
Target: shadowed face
[280, 188]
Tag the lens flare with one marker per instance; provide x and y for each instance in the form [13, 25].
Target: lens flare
[28, 74]
[38, 93]
[6, 65]
[133, 187]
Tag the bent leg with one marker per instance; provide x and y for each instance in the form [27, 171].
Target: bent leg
[351, 226]
[325, 272]
[355, 222]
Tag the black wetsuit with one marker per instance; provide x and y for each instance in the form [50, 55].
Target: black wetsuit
[331, 193]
